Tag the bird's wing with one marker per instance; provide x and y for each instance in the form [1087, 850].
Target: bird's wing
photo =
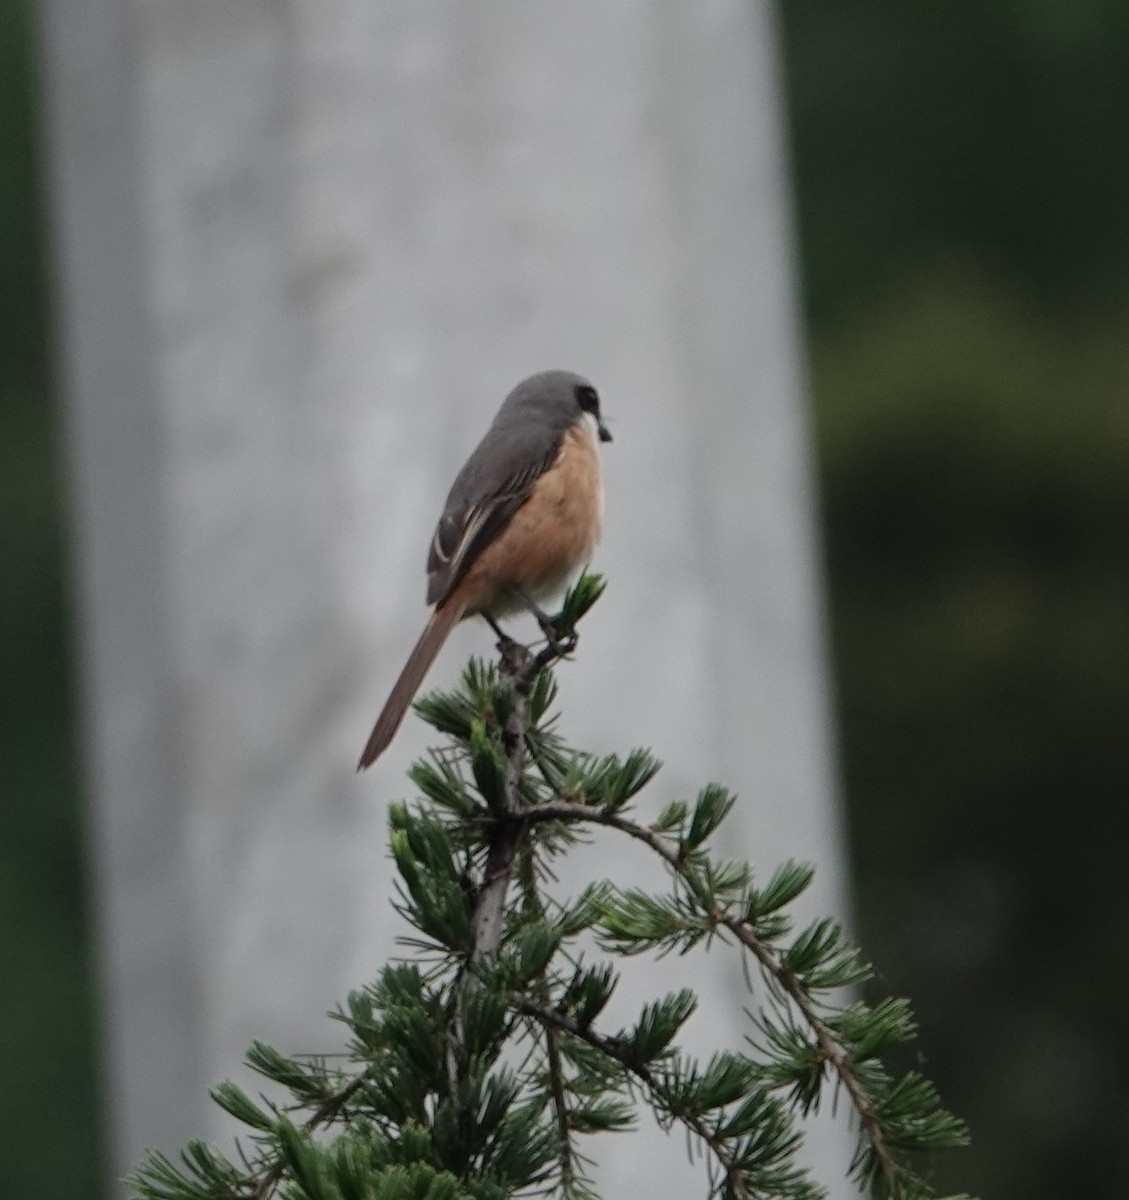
[473, 518]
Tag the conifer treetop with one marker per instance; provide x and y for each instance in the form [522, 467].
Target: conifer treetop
[482, 1066]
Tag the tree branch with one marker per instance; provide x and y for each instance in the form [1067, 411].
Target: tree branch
[521, 667]
[572, 810]
[830, 1047]
[552, 1019]
[322, 1115]
[560, 1107]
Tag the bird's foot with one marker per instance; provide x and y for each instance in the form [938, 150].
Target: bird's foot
[558, 640]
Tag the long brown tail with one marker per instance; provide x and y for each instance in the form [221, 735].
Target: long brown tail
[435, 632]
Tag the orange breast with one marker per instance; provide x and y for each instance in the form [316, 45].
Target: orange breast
[553, 533]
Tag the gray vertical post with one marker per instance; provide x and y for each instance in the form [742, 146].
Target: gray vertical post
[304, 249]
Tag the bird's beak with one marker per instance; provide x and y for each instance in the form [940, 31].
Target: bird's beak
[605, 436]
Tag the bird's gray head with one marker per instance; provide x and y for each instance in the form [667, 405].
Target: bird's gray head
[557, 398]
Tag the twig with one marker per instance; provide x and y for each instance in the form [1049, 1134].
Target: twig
[573, 810]
[552, 1019]
[560, 1107]
[534, 909]
[325, 1112]
[829, 1045]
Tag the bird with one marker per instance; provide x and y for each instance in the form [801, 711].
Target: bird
[524, 513]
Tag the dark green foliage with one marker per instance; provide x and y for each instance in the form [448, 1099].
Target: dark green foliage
[976, 492]
[588, 589]
[978, 130]
[960, 181]
[609, 783]
[787, 882]
[427, 1103]
[432, 893]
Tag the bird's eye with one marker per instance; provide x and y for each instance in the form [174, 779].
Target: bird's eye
[587, 399]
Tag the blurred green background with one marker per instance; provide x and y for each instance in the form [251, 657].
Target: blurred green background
[962, 180]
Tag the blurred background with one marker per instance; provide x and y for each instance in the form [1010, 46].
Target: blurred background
[960, 176]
